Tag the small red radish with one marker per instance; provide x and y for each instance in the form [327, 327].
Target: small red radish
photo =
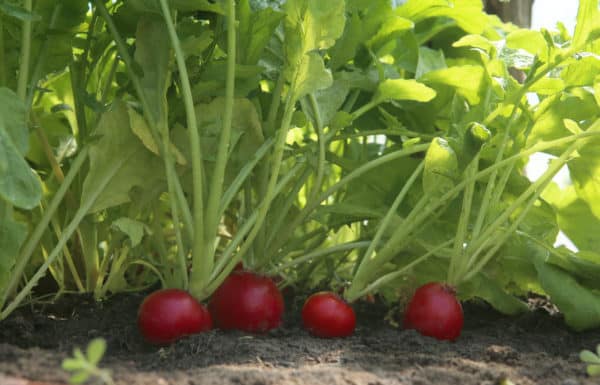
[326, 315]
[247, 301]
[434, 311]
[169, 314]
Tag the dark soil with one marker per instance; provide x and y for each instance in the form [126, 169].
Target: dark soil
[535, 348]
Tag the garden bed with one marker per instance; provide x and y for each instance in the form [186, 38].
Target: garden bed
[535, 348]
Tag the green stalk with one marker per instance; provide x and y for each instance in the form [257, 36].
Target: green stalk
[69, 258]
[535, 190]
[282, 212]
[311, 206]
[270, 193]
[458, 253]
[228, 260]
[200, 264]
[368, 268]
[37, 74]
[275, 103]
[318, 123]
[32, 242]
[373, 287]
[2, 55]
[491, 184]
[319, 253]
[364, 109]
[62, 241]
[173, 182]
[216, 186]
[387, 219]
[243, 175]
[25, 53]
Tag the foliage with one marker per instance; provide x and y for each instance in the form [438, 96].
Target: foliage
[344, 144]
[85, 366]
[593, 361]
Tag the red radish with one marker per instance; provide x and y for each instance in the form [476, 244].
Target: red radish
[326, 315]
[247, 301]
[434, 311]
[169, 314]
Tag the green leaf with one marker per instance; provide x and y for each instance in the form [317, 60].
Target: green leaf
[580, 306]
[574, 215]
[389, 30]
[312, 75]
[441, 168]
[530, 41]
[404, 89]
[17, 12]
[330, 100]
[475, 41]
[550, 115]
[153, 54]
[429, 60]
[467, 80]
[72, 364]
[310, 26]
[582, 72]
[593, 370]
[364, 20]
[548, 86]
[153, 6]
[79, 377]
[121, 157]
[132, 228]
[588, 22]
[488, 289]
[585, 174]
[255, 31]
[12, 236]
[13, 116]
[19, 186]
[589, 357]
[246, 130]
[95, 350]
[467, 14]
[142, 131]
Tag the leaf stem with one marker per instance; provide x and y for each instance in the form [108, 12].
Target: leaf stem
[398, 273]
[29, 247]
[218, 176]
[26, 33]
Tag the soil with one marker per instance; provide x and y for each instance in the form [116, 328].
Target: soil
[534, 348]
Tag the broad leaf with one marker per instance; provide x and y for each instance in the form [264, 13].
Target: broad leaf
[588, 22]
[404, 89]
[120, 156]
[95, 350]
[310, 26]
[255, 31]
[12, 235]
[19, 186]
[580, 306]
[441, 168]
[132, 228]
[153, 56]
[467, 80]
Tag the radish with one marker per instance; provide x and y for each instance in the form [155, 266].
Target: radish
[247, 301]
[169, 314]
[434, 311]
[326, 315]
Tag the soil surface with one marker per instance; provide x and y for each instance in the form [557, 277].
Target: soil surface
[535, 348]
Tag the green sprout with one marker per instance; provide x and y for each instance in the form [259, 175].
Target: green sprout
[85, 366]
[593, 361]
